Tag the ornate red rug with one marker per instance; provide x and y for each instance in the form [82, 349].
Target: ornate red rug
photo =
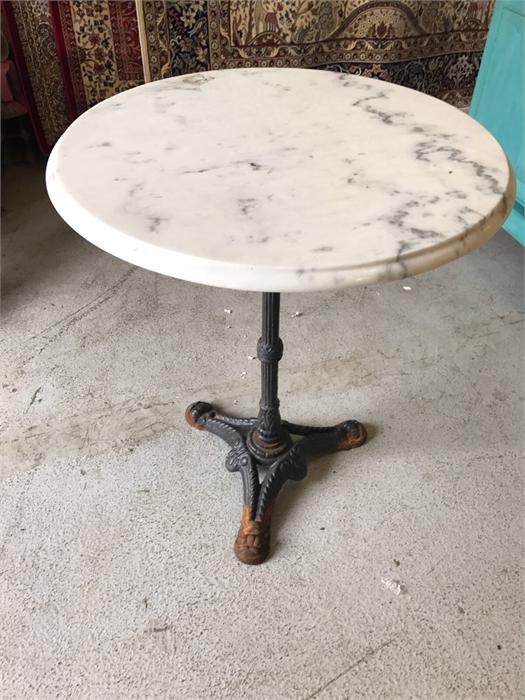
[98, 49]
[75, 53]
[428, 45]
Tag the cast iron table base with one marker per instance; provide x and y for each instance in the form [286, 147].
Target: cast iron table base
[265, 443]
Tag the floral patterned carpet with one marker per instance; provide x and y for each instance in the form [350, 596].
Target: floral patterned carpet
[74, 53]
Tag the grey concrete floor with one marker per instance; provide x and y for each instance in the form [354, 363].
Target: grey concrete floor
[395, 570]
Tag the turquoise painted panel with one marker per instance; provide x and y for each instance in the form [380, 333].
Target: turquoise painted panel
[498, 100]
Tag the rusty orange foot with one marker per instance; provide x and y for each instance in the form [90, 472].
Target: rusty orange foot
[195, 411]
[252, 544]
[353, 434]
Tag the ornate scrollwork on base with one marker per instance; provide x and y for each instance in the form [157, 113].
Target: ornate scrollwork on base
[252, 544]
[264, 443]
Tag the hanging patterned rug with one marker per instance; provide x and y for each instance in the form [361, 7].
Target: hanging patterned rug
[432, 46]
[75, 53]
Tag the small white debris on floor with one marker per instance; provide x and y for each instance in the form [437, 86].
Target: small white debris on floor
[228, 311]
[243, 374]
[394, 585]
[297, 313]
[228, 326]
[406, 288]
[251, 357]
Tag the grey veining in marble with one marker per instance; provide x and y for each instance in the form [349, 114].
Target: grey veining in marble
[280, 179]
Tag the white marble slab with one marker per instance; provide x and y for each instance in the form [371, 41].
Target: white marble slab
[279, 179]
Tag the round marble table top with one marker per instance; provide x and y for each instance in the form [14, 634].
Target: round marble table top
[277, 179]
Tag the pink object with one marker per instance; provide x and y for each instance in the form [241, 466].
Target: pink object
[12, 106]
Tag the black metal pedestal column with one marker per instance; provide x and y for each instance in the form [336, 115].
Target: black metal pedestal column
[268, 439]
[261, 448]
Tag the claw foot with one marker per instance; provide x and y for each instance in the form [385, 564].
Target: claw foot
[195, 411]
[252, 545]
[353, 434]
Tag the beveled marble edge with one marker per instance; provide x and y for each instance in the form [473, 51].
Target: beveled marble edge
[228, 275]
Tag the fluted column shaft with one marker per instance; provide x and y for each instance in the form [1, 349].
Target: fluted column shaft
[269, 352]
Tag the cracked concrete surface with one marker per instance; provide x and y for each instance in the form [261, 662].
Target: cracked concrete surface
[117, 577]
